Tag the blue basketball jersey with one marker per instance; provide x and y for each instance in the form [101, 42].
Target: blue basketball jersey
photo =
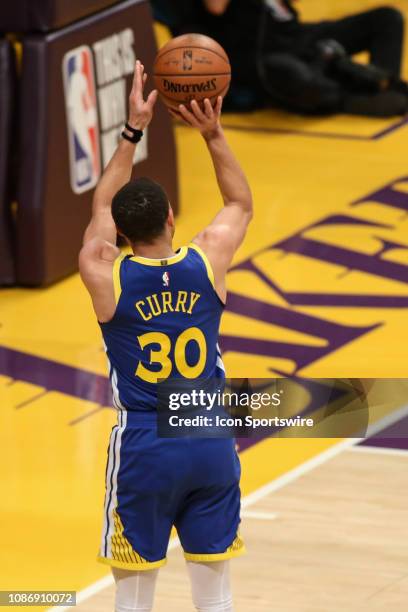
[166, 324]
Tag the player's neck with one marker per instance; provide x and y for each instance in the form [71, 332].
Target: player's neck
[157, 250]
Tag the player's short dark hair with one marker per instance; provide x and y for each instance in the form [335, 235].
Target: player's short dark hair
[140, 210]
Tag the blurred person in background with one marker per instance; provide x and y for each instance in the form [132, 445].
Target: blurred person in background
[304, 67]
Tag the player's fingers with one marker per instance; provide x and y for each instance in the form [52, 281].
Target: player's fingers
[208, 109]
[135, 75]
[144, 79]
[134, 84]
[140, 82]
[138, 79]
[187, 115]
[178, 116]
[198, 113]
[218, 106]
[152, 98]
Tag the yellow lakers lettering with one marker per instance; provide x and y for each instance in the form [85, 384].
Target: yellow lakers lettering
[167, 301]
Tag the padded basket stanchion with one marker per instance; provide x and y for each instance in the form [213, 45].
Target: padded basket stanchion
[74, 95]
[7, 104]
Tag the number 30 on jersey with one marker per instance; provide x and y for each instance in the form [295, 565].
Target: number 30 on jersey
[161, 357]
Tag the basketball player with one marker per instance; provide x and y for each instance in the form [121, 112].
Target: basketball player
[159, 311]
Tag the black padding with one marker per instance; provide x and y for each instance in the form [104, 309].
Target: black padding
[56, 182]
[46, 15]
[7, 104]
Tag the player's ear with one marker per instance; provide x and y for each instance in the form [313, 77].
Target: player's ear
[122, 235]
[170, 217]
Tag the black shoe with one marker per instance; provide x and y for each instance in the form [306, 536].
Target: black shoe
[383, 104]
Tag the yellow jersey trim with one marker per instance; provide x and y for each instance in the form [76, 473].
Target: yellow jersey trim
[116, 277]
[166, 261]
[207, 264]
[140, 567]
[208, 558]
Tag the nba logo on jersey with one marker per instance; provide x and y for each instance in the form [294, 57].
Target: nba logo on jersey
[166, 279]
[82, 118]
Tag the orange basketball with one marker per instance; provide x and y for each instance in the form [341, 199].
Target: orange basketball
[191, 67]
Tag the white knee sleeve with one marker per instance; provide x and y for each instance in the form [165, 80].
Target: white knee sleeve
[210, 585]
[134, 590]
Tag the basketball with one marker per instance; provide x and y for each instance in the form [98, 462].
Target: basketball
[191, 67]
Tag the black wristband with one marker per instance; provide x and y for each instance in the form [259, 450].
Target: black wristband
[136, 134]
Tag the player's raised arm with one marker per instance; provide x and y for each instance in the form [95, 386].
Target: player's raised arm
[119, 169]
[223, 236]
[99, 249]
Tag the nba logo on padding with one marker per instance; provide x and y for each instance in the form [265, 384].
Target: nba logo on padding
[82, 118]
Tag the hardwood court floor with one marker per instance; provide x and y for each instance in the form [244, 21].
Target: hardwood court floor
[337, 544]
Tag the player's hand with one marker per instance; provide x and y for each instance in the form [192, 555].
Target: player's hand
[207, 121]
[140, 111]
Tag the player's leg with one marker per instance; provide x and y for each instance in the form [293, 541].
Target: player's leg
[379, 31]
[298, 86]
[134, 590]
[208, 520]
[210, 586]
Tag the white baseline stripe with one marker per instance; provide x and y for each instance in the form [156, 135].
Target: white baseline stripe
[387, 421]
[262, 516]
[262, 492]
[380, 450]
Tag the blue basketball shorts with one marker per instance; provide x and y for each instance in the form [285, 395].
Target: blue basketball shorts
[154, 484]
